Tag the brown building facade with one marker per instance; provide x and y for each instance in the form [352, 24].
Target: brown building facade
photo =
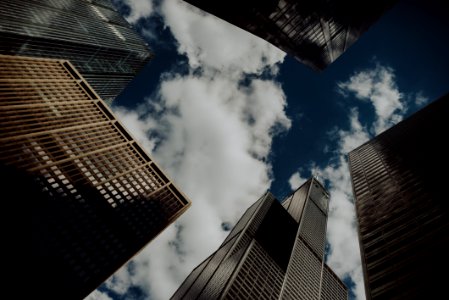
[91, 34]
[399, 181]
[94, 197]
[275, 251]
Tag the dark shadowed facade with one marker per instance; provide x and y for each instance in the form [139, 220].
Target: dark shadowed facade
[275, 251]
[315, 32]
[400, 186]
[90, 33]
[88, 196]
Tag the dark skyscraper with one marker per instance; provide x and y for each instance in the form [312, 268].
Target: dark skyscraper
[88, 196]
[315, 32]
[274, 252]
[89, 33]
[399, 180]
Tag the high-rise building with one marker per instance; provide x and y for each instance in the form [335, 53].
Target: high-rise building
[275, 251]
[84, 190]
[402, 206]
[315, 32]
[91, 34]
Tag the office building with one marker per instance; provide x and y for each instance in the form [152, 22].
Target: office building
[314, 32]
[87, 195]
[399, 181]
[275, 251]
[91, 34]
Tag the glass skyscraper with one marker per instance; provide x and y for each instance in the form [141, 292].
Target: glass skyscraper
[91, 34]
[315, 32]
[87, 195]
[399, 180]
[275, 251]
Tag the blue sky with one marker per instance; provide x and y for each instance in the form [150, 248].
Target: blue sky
[229, 116]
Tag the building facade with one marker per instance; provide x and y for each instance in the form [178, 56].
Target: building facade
[91, 34]
[275, 251]
[402, 206]
[314, 32]
[94, 198]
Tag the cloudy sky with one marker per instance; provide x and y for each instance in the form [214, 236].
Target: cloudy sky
[229, 116]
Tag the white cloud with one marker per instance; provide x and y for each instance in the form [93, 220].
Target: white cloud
[97, 295]
[138, 9]
[214, 144]
[138, 129]
[357, 135]
[379, 88]
[420, 99]
[296, 180]
[210, 42]
[214, 135]
[344, 258]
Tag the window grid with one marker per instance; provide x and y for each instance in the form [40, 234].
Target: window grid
[331, 286]
[253, 209]
[313, 227]
[260, 214]
[86, 162]
[105, 49]
[303, 280]
[258, 278]
[397, 219]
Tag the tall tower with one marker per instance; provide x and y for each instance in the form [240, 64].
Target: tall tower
[275, 251]
[89, 33]
[77, 182]
[314, 32]
[399, 181]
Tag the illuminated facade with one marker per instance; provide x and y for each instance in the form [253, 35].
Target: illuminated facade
[94, 196]
[315, 32]
[275, 251]
[402, 206]
[89, 33]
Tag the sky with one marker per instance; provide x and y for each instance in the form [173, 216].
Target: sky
[229, 116]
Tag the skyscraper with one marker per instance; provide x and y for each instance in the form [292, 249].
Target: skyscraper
[89, 33]
[75, 179]
[399, 181]
[274, 252]
[315, 32]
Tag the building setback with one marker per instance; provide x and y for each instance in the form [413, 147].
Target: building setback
[275, 251]
[91, 34]
[314, 32]
[75, 179]
[399, 181]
